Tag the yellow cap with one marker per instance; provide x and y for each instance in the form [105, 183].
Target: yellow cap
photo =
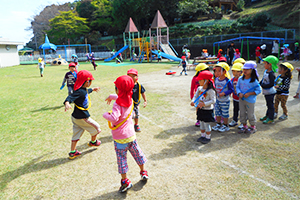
[288, 65]
[239, 60]
[225, 66]
[237, 67]
[40, 60]
[200, 67]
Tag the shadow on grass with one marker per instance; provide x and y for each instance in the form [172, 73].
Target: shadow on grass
[45, 108]
[189, 143]
[117, 195]
[286, 133]
[35, 166]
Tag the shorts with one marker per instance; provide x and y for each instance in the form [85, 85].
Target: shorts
[80, 125]
[135, 114]
[222, 108]
[134, 149]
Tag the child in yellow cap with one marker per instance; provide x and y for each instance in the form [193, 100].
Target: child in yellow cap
[224, 88]
[41, 66]
[282, 85]
[236, 72]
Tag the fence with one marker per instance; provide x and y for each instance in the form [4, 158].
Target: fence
[287, 34]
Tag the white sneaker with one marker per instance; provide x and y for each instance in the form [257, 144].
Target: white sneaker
[283, 117]
[216, 127]
[224, 128]
[233, 123]
[240, 126]
[275, 115]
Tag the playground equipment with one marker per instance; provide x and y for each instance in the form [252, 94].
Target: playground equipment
[59, 61]
[116, 54]
[248, 37]
[47, 46]
[67, 50]
[167, 56]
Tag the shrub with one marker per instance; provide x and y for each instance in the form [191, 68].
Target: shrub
[240, 5]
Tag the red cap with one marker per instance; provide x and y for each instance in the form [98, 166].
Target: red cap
[237, 50]
[222, 59]
[257, 48]
[132, 71]
[72, 64]
[125, 85]
[82, 76]
[205, 75]
[182, 57]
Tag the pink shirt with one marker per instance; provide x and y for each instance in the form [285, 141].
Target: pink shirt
[119, 113]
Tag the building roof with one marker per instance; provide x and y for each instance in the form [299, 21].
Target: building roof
[158, 21]
[5, 41]
[131, 27]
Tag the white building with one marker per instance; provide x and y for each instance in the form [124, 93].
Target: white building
[9, 53]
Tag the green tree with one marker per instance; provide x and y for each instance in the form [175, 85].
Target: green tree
[102, 16]
[67, 25]
[240, 5]
[189, 7]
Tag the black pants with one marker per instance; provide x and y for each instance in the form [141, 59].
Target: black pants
[270, 106]
[236, 109]
[230, 58]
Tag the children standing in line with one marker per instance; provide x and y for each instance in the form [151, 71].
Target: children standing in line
[41, 66]
[70, 78]
[195, 84]
[183, 65]
[204, 100]
[282, 86]
[122, 130]
[81, 117]
[237, 72]
[247, 89]
[138, 91]
[267, 83]
[224, 88]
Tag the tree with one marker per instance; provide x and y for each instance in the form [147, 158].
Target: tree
[40, 23]
[102, 16]
[240, 5]
[189, 7]
[67, 25]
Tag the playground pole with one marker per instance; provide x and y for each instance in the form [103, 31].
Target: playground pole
[248, 49]
[214, 49]
[242, 48]
[278, 49]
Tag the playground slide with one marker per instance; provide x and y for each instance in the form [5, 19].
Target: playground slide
[167, 56]
[115, 55]
[167, 49]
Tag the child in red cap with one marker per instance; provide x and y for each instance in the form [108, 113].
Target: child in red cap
[119, 120]
[183, 63]
[138, 91]
[237, 54]
[80, 117]
[70, 78]
[204, 100]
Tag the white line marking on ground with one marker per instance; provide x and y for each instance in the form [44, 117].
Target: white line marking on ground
[143, 116]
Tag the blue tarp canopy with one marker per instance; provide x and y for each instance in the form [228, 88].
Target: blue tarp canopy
[47, 45]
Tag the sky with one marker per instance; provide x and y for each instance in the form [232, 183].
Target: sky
[15, 17]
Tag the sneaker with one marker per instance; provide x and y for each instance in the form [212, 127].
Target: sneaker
[125, 185]
[180, 73]
[243, 130]
[296, 96]
[200, 139]
[283, 117]
[263, 118]
[144, 175]
[251, 130]
[205, 141]
[233, 123]
[275, 115]
[186, 74]
[74, 155]
[216, 127]
[268, 121]
[224, 128]
[137, 128]
[96, 144]
[197, 124]
[240, 126]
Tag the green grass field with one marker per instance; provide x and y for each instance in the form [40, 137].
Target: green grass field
[36, 133]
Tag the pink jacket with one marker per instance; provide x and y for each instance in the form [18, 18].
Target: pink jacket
[118, 114]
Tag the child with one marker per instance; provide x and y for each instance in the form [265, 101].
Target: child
[158, 56]
[237, 54]
[282, 86]
[183, 65]
[205, 104]
[239, 60]
[247, 89]
[122, 130]
[267, 83]
[195, 84]
[75, 60]
[70, 78]
[41, 66]
[257, 55]
[137, 91]
[119, 58]
[286, 52]
[237, 72]
[296, 52]
[224, 88]
[92, 59]
[80, 117]
[297, 96]
[220, 53]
